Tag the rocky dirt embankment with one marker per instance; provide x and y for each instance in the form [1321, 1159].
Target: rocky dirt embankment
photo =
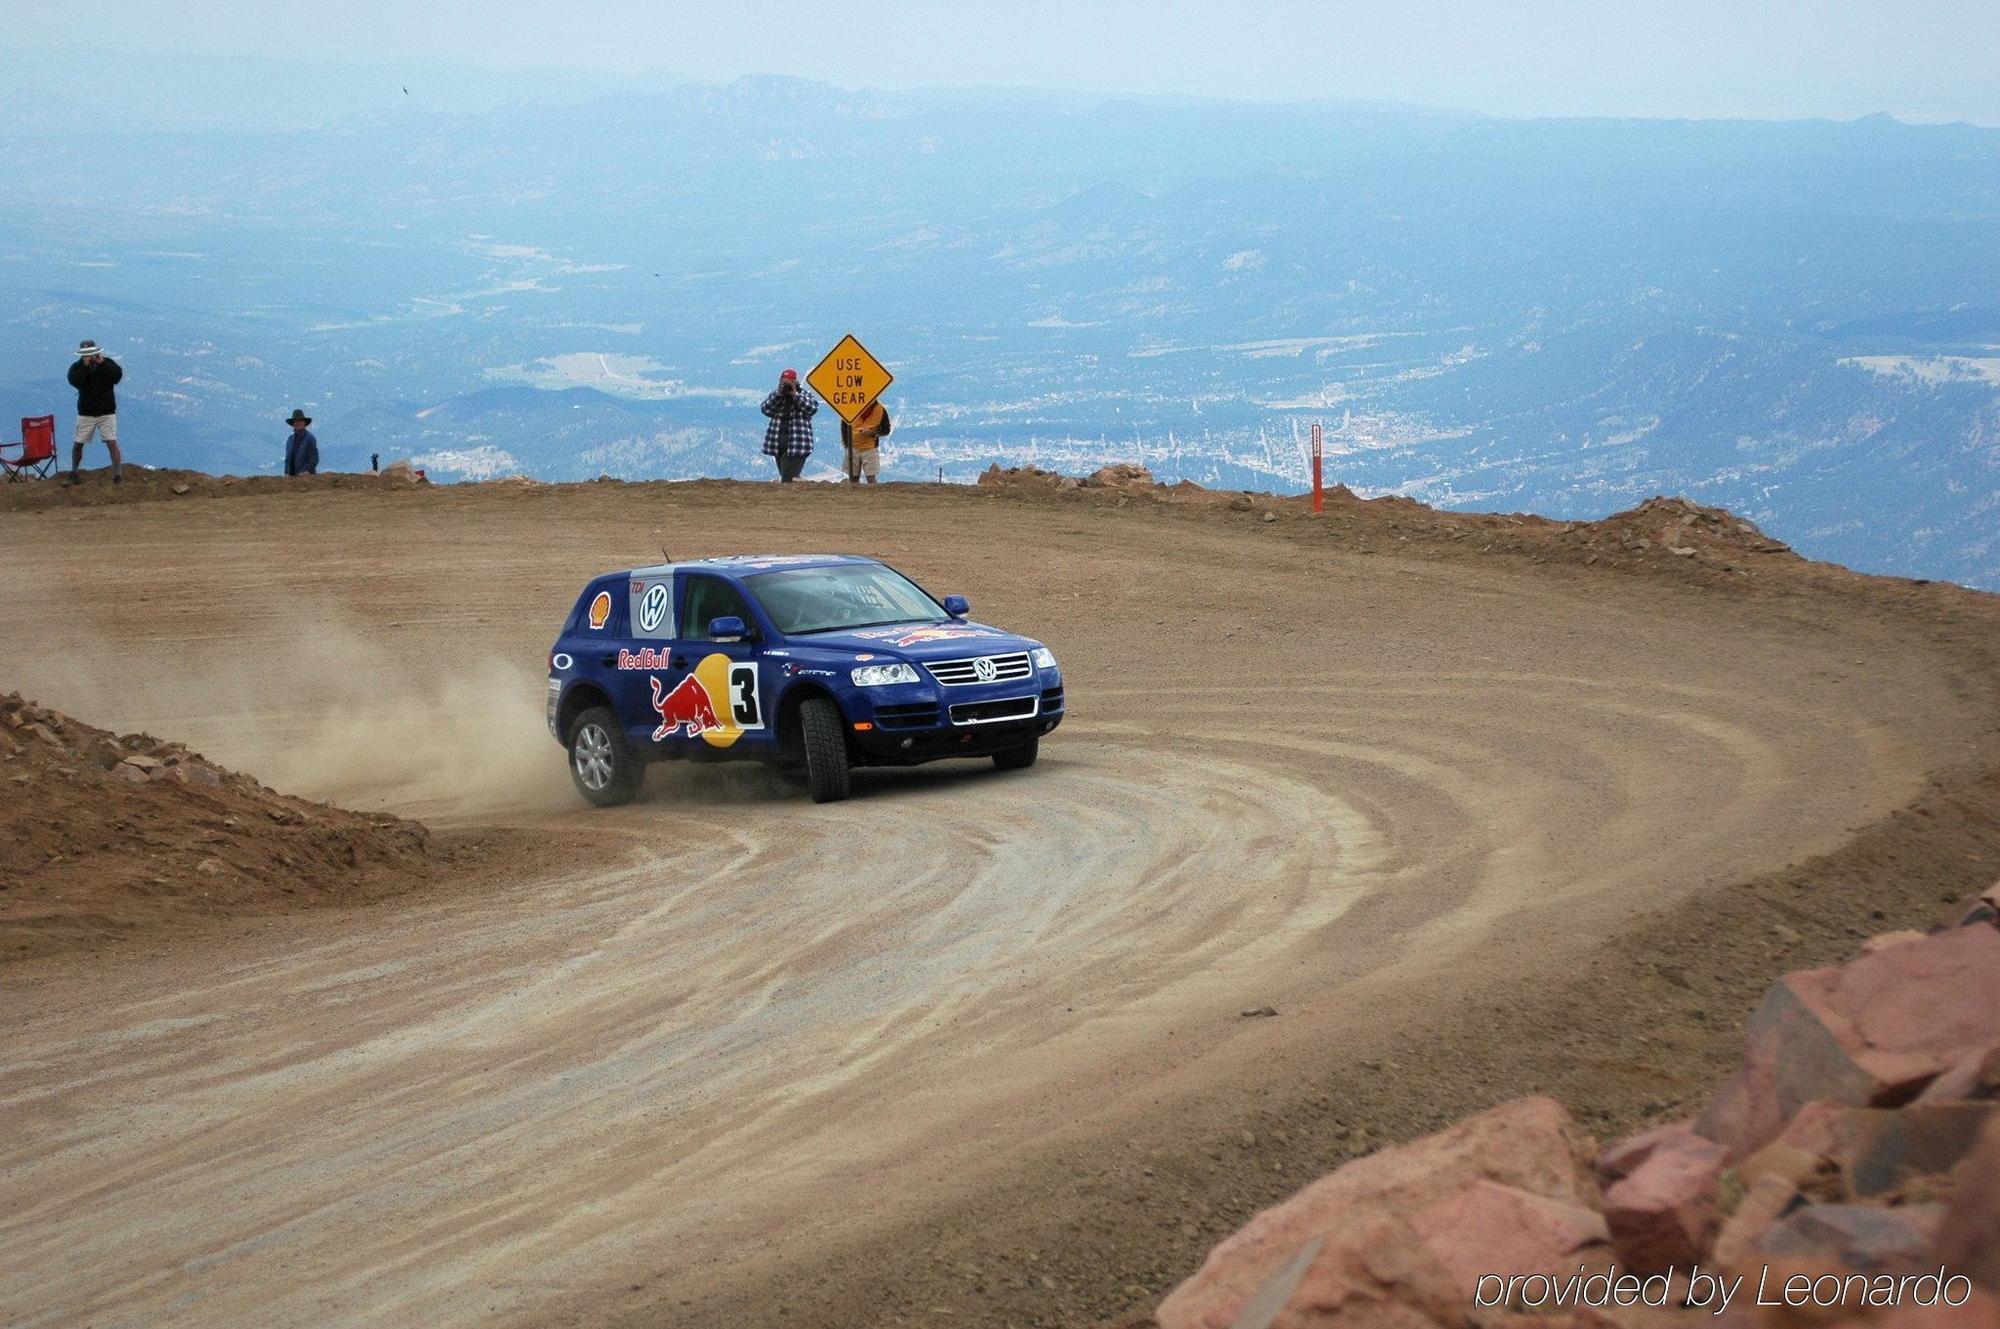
[145, 484]
[1661, 534]
[1674, 536]
[107, 833]
[1848, 1173]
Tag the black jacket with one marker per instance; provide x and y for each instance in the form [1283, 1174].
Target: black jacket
[93, 384]
[302, 453]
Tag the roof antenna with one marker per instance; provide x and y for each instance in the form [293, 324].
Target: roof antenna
[665, 557]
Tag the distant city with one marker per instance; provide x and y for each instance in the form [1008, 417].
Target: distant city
[1799, 321]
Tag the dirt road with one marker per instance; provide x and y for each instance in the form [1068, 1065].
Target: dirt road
[679, 1048]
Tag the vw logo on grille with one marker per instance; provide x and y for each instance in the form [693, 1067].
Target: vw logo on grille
[984, 668]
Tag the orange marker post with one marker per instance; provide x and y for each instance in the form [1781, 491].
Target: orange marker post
[1319, 496]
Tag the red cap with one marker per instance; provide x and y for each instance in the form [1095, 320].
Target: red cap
[789, 373]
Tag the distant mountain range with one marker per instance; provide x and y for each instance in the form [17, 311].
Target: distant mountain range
[1799, 321]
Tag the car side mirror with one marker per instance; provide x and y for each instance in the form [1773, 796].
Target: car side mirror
[727, 628]
[957, 606]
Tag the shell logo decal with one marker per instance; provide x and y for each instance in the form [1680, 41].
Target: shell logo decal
[600, 611]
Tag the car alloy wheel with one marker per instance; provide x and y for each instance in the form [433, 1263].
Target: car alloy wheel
[593, 757]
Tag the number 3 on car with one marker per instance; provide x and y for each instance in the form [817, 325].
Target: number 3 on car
[816, 663]
[743, 696]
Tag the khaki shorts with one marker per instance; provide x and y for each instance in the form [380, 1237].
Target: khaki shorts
[864, 461]
[104, 426]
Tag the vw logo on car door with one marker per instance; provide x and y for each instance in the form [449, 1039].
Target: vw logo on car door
[983, 667]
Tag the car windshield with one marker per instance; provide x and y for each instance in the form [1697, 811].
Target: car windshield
[842, 597]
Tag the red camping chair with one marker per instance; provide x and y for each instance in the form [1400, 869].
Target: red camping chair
[38, 449]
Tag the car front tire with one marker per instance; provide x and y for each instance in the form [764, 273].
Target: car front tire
[1019, 758]
[606, 770]
[825, 741]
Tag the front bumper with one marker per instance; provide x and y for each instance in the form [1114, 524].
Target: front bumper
[914, 724]
[909, 747]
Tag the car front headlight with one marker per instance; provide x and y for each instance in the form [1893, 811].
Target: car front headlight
[879, 676]
[1044, 658]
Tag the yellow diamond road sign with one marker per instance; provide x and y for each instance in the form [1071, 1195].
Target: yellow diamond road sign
[849, 378]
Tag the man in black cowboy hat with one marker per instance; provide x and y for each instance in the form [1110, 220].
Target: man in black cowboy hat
[301, 449]
[94, 376]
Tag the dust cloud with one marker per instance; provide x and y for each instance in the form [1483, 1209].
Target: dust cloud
[317, 706]
[369, 732]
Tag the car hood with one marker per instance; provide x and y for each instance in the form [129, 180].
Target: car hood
[920, 641]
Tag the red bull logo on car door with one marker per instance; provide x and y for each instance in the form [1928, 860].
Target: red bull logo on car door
[686, 707]
[718, 700]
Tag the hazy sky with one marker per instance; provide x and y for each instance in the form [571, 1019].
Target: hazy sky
[1923, 59]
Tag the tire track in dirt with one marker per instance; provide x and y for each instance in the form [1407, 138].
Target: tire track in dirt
[383, 1102]
[751, 981]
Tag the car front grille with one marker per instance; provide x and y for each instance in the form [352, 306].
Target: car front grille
[963, 673]
[1052, 699]
[993, 712]
[906, 717]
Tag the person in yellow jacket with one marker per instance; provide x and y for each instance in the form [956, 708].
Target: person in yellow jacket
[862, 442]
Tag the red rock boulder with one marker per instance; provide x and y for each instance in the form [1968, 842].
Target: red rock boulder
[1870, 1153]
[1617, 1161]
[1487, 1227]
[1974, 1078]
[1402, 1233]
[1120, 475]
[1868, 1239]
[1741, 1239]
[1969, 1242]
[1666, 1210]
[1873, 1033]
[1019, 477]
[1375, 1273]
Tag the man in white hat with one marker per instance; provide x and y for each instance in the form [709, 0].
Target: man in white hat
[94, 376]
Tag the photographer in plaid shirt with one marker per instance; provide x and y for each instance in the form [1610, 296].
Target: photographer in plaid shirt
[789, 436]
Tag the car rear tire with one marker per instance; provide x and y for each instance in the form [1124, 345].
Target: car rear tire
[606, 770]
[1020, 758]
[824, 738]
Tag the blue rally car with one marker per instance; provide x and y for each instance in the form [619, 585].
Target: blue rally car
[820, 662]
